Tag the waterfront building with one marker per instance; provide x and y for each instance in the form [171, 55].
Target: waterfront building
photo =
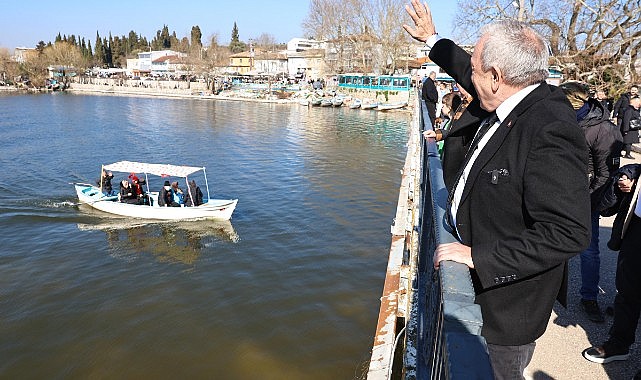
[143, 65]
[271, 63]
[21, 54]
[241, 63]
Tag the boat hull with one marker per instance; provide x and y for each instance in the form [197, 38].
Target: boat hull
[218, 209]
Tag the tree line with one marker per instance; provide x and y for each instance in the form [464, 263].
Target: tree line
[113, 51]
[595, 41]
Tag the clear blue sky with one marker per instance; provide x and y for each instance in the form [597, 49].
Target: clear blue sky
[25, 22]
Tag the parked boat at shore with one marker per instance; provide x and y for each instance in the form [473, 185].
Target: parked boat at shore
[367, 104]
[391, 106]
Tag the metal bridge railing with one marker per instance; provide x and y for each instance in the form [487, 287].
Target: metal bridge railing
[433, 310]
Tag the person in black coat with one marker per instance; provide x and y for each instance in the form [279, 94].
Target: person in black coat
[605, 101]
[126, 193]
[622, 104]
[164, 195]
[622, 198]
[193, 192]
[630, 136]
[515, 237]
[429, 93]
[604, 147]
[105, 182]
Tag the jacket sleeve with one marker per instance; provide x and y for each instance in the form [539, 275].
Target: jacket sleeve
[601, 149]
[625, 123]
[455, 61]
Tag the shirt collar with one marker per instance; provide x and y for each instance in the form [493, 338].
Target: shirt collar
[510, 103]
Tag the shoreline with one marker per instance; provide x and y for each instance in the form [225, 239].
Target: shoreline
[169, 94]
[177, 93]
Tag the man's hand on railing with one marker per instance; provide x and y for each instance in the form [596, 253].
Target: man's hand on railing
[429, 134]
[453, 252]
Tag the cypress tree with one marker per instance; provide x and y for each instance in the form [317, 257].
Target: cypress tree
[99, 52]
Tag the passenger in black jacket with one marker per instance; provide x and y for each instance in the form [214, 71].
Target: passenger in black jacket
[193, 192]
[604, 146]
[622, 198]
[105, 182]
[164, 195]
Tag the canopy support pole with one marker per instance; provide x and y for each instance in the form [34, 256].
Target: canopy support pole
[206, 184]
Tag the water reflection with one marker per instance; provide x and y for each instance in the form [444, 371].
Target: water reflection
[169, 241]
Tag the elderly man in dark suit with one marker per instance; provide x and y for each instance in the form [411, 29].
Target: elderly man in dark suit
[520, 204]
[429, 93]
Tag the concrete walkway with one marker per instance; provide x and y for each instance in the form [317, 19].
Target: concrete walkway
[558, 351]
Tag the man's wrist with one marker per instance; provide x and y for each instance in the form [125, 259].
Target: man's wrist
[432, 40]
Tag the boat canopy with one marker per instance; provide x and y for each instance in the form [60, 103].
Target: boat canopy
[162, 170]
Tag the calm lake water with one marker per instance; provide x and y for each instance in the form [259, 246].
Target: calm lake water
[289, 289]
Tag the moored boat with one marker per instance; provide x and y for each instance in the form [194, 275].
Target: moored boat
[391, 106]
[368, 105]
[219, 209]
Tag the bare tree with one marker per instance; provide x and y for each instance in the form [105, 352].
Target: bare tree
[266, 41]
[363, 35]
[596, 41]
[8, 67]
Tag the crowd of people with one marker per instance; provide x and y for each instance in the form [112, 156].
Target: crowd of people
[132, 191]
[516, 153]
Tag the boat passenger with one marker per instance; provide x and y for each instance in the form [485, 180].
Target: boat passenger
[164, 195]
[126, 193]
[177, 195]
[193, 192]
[105, 182]
[138, 190]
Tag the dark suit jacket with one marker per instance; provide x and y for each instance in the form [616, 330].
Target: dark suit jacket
[525, 209]
[429, 91]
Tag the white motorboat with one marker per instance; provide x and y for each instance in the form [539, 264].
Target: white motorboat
[368, 104]
[391, 106]
[219, 209]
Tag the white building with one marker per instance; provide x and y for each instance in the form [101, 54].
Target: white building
[271, 63]
[302, 44]
[144, 64]
[21, 54]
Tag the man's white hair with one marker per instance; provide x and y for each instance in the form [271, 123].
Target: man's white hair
[518, 50]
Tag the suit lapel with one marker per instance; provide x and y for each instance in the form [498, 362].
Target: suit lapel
[486, 154]
[496, 141]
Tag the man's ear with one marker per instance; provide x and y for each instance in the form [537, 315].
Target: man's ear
[496, 78]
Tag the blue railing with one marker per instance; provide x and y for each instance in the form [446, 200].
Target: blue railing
[433, 310]
[448, 342]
